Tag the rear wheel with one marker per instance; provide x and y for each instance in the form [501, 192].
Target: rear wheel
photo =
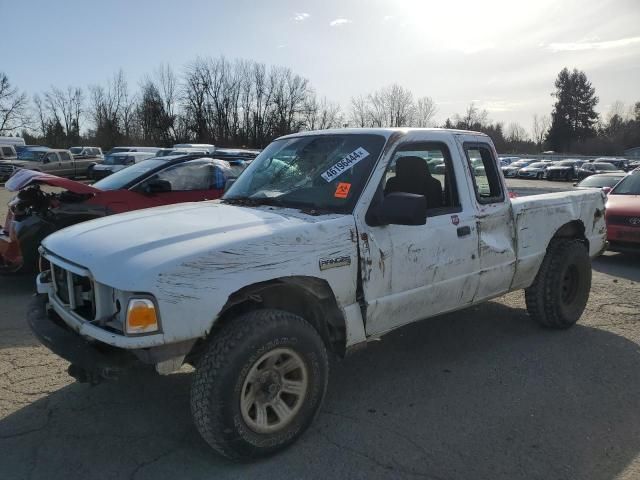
[560, 291]
[259, 384]
[539, 176]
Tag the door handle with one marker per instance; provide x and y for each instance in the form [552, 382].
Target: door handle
[464, 231]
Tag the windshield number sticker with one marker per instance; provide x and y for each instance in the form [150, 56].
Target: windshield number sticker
[346, 163]
[342, 191]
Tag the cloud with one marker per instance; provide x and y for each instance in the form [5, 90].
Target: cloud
[386, 18]
[592, 45]
[301, 17]
[338, 22]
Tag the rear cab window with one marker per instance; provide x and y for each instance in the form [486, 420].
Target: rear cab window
[484, 171]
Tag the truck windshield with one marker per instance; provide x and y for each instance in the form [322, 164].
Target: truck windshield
[315, 172]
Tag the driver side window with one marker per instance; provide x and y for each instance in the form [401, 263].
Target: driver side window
[424, 168]
[50, 158]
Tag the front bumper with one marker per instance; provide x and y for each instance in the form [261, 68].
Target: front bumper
[10, 255]
[623, 239]
[91, 361]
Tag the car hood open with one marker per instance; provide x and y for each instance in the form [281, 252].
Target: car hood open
[24, 178]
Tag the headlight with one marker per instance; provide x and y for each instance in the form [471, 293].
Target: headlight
[141, 316]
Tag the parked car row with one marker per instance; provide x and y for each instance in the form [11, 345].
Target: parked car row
[567, 170]
[82, 160]
[34, 213]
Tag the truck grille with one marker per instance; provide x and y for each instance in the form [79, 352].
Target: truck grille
[627, 221]
[75, 291]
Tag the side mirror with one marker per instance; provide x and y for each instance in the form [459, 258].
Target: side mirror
[606, 190]
[402, 209]
[45, 160]
[157, 186]
[575, 184]
[228, 183]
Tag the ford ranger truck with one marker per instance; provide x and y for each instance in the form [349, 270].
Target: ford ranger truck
[326, 241]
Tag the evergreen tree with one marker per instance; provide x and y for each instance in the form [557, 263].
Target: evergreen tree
[573, 118]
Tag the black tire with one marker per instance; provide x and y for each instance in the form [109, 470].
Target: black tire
[539, 176]
[222, 370]
[560, 292]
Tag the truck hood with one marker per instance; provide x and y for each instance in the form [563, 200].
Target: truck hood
[628, 205]
[118, 248]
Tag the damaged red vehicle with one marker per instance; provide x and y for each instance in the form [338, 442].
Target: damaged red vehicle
[623, 215]
[35, 213]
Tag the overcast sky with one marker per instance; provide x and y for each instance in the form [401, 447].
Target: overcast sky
[502, 54]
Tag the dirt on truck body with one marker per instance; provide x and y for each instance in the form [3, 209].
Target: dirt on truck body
[327, 240]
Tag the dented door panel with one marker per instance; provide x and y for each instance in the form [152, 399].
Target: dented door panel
[414, 272]
[495, 228]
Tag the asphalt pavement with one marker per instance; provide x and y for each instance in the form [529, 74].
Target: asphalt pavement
[483, 393]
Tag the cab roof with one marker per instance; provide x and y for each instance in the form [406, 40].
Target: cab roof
[385, 132]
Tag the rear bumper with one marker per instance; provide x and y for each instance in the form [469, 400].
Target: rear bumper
[560, 175]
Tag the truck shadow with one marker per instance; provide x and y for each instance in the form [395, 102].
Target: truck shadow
[15, 293]
[619, 265]
[481, 393]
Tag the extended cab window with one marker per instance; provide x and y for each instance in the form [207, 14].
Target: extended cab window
[486, 179]
[424, 168]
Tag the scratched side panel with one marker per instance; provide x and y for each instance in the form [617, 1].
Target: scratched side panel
[539, 217]
[193, 292]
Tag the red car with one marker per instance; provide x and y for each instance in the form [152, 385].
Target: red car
[35, 213]
[623, 215]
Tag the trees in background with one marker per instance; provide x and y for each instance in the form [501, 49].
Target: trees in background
[392, 106]
[539, 129]
[13, 107]
[247, 103]
[573, 119]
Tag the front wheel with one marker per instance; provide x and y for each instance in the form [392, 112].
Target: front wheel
[560, 291]
[540, 176]
[259, 384]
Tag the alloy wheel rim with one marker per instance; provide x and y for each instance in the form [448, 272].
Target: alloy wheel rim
[274, 390]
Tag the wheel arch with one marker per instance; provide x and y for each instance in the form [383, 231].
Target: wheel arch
[308, 297]
[573, 229]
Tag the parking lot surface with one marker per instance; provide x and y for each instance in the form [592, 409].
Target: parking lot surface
[483, 393]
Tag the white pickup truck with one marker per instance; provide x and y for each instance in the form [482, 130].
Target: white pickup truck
[327, 240]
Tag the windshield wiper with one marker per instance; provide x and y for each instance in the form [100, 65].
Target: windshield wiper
[254, 202]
